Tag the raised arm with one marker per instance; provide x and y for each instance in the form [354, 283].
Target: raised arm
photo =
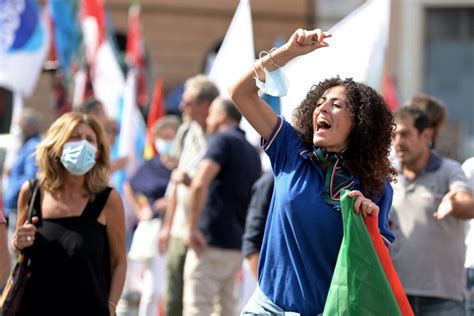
[244, 91]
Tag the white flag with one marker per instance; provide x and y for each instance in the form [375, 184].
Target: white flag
[131, 138]
[356, 49]
[236, 54]
[235, 57]
[14, 140]
[108, 79]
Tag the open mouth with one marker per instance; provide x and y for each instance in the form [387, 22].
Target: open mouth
[322, 124]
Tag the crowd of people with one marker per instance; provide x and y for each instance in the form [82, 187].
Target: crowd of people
[206, 204]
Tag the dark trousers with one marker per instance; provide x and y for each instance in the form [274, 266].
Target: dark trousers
[174, 277]
[435, 306]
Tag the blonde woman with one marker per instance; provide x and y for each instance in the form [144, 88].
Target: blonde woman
[78, 247]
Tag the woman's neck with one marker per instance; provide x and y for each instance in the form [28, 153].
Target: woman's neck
[74, 184]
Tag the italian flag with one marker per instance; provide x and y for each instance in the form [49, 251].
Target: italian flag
[156, 111]
[364, 282]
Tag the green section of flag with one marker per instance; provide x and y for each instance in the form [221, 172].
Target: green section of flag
[359, 286]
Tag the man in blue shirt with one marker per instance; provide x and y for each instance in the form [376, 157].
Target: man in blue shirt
[218, 201]
[24, 166]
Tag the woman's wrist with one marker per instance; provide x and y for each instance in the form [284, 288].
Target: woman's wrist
[13, 244]
[112, 305]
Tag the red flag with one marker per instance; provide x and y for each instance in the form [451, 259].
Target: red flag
[135, 54]
[389, 90]
[94, 9]
[156, 111]
[93, 25]
[134, 46]
[384, 256]
[52, 55]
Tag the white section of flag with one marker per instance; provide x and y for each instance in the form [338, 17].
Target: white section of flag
[132, 126]
[237, 52]
[107, 79]
[15, 141]
[235, 57]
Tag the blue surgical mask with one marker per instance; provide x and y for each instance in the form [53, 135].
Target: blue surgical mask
[276, 83]
[163, 146]
[78, 157]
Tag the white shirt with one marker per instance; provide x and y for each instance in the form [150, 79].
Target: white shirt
[468, 167]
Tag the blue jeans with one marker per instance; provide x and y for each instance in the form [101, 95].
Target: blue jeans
[260, 305]
[434, 306]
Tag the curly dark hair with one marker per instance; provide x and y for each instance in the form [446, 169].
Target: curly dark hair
[369, 140]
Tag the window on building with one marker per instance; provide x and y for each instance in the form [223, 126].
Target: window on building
[6, 101]
[449, 70]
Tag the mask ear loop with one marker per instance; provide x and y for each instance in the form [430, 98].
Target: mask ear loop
[260, 57]
[271, 58]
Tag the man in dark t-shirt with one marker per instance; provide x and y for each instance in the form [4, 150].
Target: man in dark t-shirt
[218, 201]
[262, 192]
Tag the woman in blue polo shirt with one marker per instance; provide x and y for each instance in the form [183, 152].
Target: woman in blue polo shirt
[340, 139]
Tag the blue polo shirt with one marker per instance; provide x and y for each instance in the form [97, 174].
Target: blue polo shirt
[303, 234]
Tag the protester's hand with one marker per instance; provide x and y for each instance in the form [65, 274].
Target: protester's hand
[180, 176]
[118, 164]
[160, 205]
[145, 213]
[169, 162]
[24, 236]
[363, 205]
[196, 240]
[163, 239]
[446, 206]
[303, 41]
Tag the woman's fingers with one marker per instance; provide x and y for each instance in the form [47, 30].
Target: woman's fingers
[362, 204]
[318, 37]
[310, 38]
[23, 240]
[299, 36]
[25, 234]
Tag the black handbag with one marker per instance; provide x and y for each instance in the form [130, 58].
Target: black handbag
[15, 287]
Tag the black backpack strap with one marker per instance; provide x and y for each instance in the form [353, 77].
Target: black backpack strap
[94, 208]
[34, 203]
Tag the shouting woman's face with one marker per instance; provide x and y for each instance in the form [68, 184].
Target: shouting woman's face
[332, 120]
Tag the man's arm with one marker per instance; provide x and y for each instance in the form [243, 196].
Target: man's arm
[165, 231]
[459, 204]
[207, 171]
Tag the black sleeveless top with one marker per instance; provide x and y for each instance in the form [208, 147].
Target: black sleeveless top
[70, 260]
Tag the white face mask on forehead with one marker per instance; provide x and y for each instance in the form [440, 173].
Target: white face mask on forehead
[78, 157]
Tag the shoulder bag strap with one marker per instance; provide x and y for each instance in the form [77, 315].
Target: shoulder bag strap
[34, 187]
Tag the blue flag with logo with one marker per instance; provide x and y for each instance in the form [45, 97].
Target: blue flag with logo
[24, 43]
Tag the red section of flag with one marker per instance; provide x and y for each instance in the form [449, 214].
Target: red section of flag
[389, 91]
[52, 55]
[156, 111]
[95, 9]
[135, 53]
[61, 97]
[384, 256]
[134, 50]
